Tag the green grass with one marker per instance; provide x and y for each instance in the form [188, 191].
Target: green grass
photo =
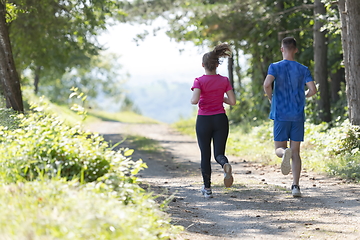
[64, 210]
[145, 144]
[72, 117]
[126, 117]
[46, 193]
[186, 126]
[327, 150]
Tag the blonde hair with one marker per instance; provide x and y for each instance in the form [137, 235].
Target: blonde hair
[211, 59]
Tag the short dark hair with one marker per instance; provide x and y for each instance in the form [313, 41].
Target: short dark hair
[289, 43]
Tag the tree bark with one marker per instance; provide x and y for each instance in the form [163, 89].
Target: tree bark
[231, 71]
[336, 79]
[37, 80]
[9, 78]
[350, 27]
[238, 68]
[320, 67]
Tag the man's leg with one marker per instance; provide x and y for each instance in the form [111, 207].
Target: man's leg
[282, 151]
[280, 148]
[296, 161]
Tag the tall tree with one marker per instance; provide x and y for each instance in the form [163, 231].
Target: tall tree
[320, 59]
[9, 77]
[350, 27]
[49, 36]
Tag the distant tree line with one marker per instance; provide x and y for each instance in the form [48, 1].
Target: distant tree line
[53, 39]
[327, 33]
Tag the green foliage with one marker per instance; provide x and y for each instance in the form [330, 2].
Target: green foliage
[100, 77]
[144, 144]
[347, 166]
[59, 182]
[328, 147]
[124, 116]
[249, 108]
[8, 118]
[341, 139]
[50, 37]
[186, 126]
[252, 143]
[66, 210]
[45, 146]
[255, 28]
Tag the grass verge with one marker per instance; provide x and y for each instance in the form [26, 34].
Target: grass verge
[328, 149]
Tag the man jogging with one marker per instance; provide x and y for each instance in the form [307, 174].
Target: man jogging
[287, 98]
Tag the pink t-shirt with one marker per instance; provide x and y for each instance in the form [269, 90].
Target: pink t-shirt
[212, 89]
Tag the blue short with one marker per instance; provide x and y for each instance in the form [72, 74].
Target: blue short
[283, 131]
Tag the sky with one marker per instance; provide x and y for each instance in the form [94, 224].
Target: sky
[157, 57]
[155, 63]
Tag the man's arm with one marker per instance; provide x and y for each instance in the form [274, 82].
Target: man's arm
[312, 90]
[268, 86]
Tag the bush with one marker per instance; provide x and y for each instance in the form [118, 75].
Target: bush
[8, 118]
[44, 146]
[59, 182]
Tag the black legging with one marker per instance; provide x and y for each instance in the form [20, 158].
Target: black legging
[216, 128]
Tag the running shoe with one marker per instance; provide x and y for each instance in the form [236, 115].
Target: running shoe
[295, 189]
[228, 178]
[285, 164]
[206, 192]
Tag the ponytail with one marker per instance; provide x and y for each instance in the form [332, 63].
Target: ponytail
[211, 59]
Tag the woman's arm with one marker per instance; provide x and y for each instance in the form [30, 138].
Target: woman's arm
[196, 96]
[230, 98]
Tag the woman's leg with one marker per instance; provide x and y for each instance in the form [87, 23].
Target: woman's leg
[221, 132]
[220, 135]
[204, 135]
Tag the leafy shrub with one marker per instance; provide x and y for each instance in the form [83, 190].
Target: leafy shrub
[44, 145]
[71, 185]
[346, 166]
[343, 138]
[8, 118]
[246, 110]
[338, 146]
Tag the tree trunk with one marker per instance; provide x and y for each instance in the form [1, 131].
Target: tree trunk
[9, 78]
[36, 80]
[320, 67]
[336, 79]
[231, 71]
[238, 68]
[281, 33]
[350, 14]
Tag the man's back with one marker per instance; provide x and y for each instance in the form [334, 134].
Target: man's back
[288, 99]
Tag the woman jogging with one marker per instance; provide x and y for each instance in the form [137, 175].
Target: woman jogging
[212, 123]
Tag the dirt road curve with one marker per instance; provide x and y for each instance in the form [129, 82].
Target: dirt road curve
[258, 206]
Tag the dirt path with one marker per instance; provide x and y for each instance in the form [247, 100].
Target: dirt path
[258, 206]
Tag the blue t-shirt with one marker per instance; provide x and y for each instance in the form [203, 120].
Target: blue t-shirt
[288, 100]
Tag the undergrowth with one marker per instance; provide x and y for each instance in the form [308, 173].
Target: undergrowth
[328, 148]
[60, 182]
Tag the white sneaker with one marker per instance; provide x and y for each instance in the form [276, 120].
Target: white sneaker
[228, 178]
[285, 164]
[295, 190]
[207, 193]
